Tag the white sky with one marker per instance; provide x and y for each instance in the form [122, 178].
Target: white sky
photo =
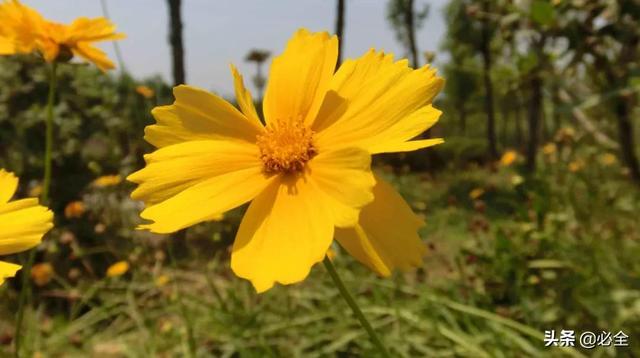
[219, 32]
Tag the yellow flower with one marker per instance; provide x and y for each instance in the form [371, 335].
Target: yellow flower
[549, 148]
[74, 209]
[60, 40]
[107, 180]
[22, 223]
[608, 159]
[42, 273]
[576, 165]
[162, 280]
[118, 269]
[508, 158]
[476, 193]
[20, 28]
[306, 171]
[26, 31]
[145, 92]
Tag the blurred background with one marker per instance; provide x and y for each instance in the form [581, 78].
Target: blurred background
[531, 203]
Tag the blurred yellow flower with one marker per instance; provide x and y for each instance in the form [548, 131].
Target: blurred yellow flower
[107, 180]
[576, 165]
[516, 180]
[608, 159]
[74, 209]
[22, 223]
[331, 254]
[508, 158]
[549, 148]
[307, 171]
[162, 280]
[565, 134]
[145, 92]
[21, 25]
[476, 193]
[118, 269]
[35, 191]
[24, 31]
[42, 273]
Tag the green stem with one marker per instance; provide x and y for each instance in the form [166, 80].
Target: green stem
[354, 307]
[191, 339]
[46, 183]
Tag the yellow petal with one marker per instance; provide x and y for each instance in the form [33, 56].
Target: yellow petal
[84, 29]
[173, 169]
[7, 270]
[386, 236]
[345, 177]
[388, 104]
[8, 185]
[22, 223]
[243, 96]
[196, 115]
[197, 181]
[299, 78]
[93, 55]
[285, 231]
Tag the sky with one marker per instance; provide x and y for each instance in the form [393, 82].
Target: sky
[220, 32]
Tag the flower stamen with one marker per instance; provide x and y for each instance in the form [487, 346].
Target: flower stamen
[286, 146]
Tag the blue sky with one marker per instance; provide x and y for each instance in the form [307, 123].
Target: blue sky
[219, 32]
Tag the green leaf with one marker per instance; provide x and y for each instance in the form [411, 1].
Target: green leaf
[542, 12]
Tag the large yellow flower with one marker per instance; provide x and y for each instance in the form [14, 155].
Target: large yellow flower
[22, 223]
[24, 30]
[306, 171]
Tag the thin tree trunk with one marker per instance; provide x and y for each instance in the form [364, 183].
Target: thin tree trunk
[340, 13]
[535, 107]
[463, 118]
[488, 86]
[411, 34]
[175, 39]
[518, 119]
[626, 138]
[504, 126]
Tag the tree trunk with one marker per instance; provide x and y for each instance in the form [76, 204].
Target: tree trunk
[488, 86]
[175, 40]
[463, 118]
[411, 34]
[626, 138]
[340, 13]
[518, 119]
[535, 107]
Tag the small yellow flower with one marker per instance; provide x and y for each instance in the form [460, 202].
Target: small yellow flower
[42, 273]
[35, 191]
[565, 135]
[162, 280]
[22, 223]
[508, 158]
[331, 254]
[576, 165]
[74, 209]
[307, 171]
[118, 269]
[24, 30]
[107, 180]
[549, 148]
[516, 180]
[145, 91]
[476, 193]
[608, 159]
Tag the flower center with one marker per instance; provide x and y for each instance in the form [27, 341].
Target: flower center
[286, 146]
